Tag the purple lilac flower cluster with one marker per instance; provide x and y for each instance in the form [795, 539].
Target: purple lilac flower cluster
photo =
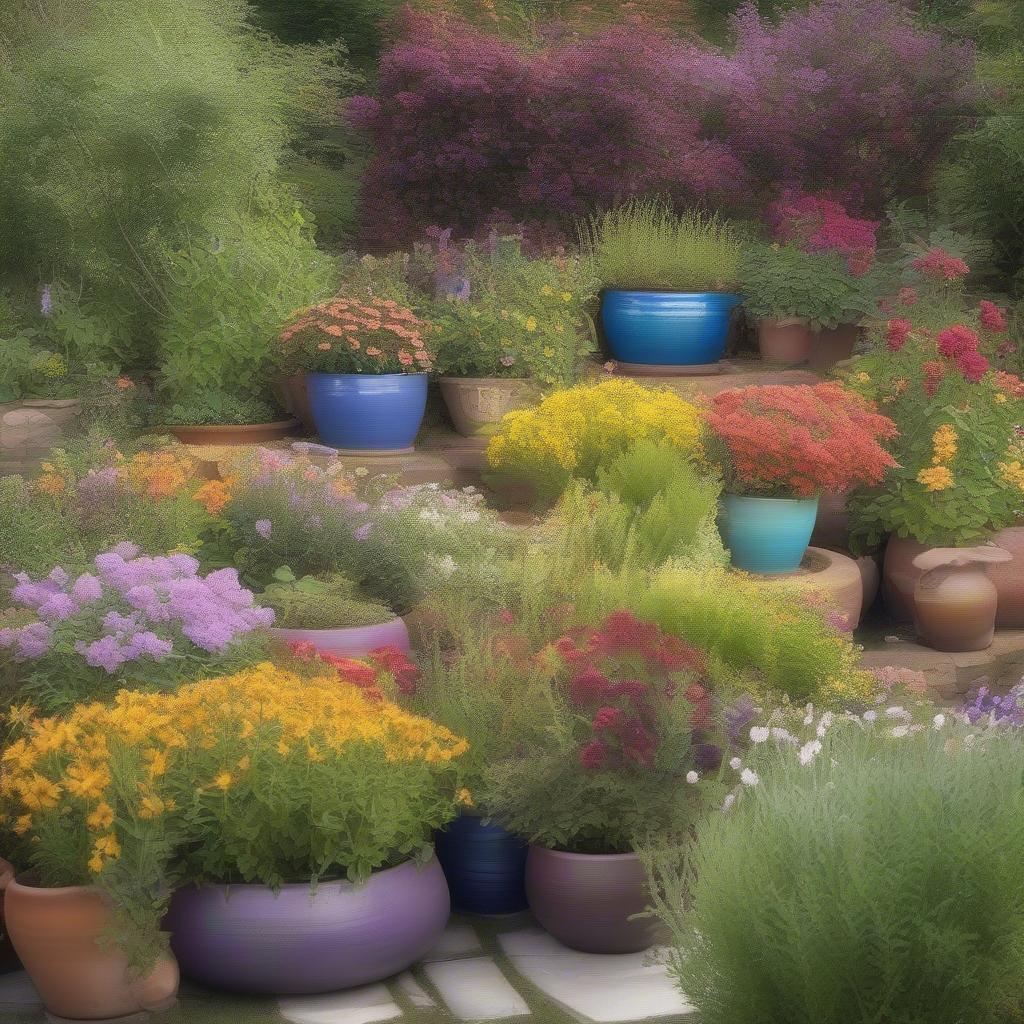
[982, 704]
[133, 606]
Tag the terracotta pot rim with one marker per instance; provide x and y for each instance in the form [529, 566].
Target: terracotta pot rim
[786, 321]
[589, 857]
[498, 380]
[257, 886]
[54, 892]
[248, 427]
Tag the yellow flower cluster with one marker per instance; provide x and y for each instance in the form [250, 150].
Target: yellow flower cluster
[936, 478]
[944, 445]
[160, 474]
[1012, 470]
[124, 763]
[578, 428]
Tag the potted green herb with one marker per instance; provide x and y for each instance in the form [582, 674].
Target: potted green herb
[670, 282]
[220, 417]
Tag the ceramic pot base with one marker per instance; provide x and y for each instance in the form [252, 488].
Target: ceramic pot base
[132, 1018]
[373, 453]
[670, 370]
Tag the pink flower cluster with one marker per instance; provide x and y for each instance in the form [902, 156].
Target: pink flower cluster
[959, 344]
[941, 266]
[817, 224]
[133, 606]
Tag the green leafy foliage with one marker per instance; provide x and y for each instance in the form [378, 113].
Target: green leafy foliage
[644, 245]
[782, 282]
[327, 602]
[209, 408]
[880, 882]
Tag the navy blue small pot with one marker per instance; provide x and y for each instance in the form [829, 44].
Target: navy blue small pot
[485, 867]
[667, 328]
[377, 412]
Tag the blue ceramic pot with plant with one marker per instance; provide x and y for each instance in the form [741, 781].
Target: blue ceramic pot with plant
[485, 866]
[767, 535]
[366, 364]
[667, 328]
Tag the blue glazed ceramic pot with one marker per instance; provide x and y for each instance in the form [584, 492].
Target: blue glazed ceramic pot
[368, 411]
[485, 867]
[767, 535]
[667, 328]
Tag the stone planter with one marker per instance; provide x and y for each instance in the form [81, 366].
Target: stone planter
[247, 938]
[833, 345]
[784, 341]
[31, 427]
[585, 900]
[58, 935]
[350, 642]
[477, 404]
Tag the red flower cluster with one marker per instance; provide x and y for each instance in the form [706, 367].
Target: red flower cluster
[395, 663]
[618, 674]
[823, 225]
[1008, 382]
[959, 344]
[934, 372]
[389, 660]
[992, 317]
[940, 265]
[897, 334]
[800, 440]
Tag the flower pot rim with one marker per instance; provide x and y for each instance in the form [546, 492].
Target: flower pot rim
[337, 880]
[785, 321]
[60, 403]
[446, 379]
[669, 291]
[335, 629]
[765, 497]
[51, 892]
[288, 422]
[589, 857]
[321, 373]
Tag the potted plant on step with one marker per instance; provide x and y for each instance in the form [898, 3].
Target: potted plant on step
[609, 771]
[366, 362]
[91, 828]
[778, 448]
[507, 328]
[219, 417]
[796, 297]
[670, 284]
[328, 613]
[310, 804]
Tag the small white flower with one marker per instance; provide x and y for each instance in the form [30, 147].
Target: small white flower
[446, 566]
[759, 733]
[730, 799]
[939, 721]
[361, 471]
[870, 716]
[899, 731]
[692, 778]
[735, 764]
[825, 724]
[471, 516]
[749, 777]
[969, 739]
[809, 751]
[897, 712]
[783, 735]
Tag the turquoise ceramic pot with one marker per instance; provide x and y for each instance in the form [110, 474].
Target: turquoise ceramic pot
[767, 535]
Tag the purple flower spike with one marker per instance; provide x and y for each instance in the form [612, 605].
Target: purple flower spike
[362, 532]
[264, 527]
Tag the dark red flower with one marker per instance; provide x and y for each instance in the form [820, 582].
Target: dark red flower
[593, 755]
[608, 718]
[897, 334]
[992, 316]
[957, 341]
[973, 365]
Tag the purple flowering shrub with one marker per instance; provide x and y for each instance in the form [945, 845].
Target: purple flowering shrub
[392, 541]
[135, 620]
[849, 97]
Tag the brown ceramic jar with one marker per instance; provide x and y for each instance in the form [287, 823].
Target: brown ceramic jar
[784, 341]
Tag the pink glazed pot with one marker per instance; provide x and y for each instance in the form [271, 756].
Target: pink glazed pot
[352, 642]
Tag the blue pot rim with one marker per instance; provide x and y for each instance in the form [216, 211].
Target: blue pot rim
[775, 501]
[376, 376]
[663, 293]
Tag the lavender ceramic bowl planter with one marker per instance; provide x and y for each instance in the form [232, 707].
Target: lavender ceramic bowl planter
[586, 900]
[352, 641]
[247, 938]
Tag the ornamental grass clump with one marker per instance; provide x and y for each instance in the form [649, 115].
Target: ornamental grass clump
[870, 874]
[145, 620]
[575, 431]
[797, 441]
[643, 245]
[266, 776]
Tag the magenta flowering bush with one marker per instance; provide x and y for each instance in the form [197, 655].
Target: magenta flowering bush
[136, 619]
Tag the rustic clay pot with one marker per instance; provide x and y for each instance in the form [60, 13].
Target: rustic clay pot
[954, 600]
[477, 404]
[585, 900]
[228, 434]
[900, 576]
[832, 527]
[57, 934]
[8, 959]
[833, 345]
[1009, 578]
[31, 427]
[295, 400]
[784, 341]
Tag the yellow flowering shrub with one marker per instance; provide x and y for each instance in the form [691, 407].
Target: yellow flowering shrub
[264, 776]
[575, 431]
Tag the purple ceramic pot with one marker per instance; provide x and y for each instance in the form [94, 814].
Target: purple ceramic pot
[352, 642]
[246, 938]
[585, 900]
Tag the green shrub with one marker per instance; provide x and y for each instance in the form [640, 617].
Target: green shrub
[880, 882]
[209, 408]
[643, 244]
[328, 602]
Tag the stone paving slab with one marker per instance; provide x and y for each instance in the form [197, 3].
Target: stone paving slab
[365, 1005]
[476, 989]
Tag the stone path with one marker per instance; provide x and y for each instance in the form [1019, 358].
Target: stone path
[481, 969]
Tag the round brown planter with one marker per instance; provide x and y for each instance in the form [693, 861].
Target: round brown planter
[295, 399]
[832, 576]
[833, 345]
[1009, 578]
[784, 341]
[226, 434]
[585, 900]
[31, 427]
[477, 404]
[900, 576]
[832, 527]
[58, 935]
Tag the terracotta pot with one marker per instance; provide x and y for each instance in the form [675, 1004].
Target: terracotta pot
[230, 434]
[784, 341]
[8, 959]
[1009, 578]
[31, 427]
[832, 527]
[833, 345]
[900, 576]
[477, 404]
[296, 401]
[954, 600]
[585, 900]
[57, 933]
[352, 642]
[247, 938]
